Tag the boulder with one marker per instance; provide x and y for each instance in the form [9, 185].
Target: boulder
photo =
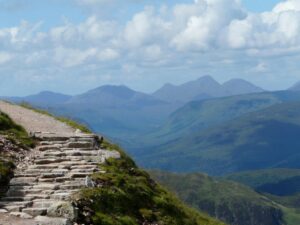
[63, 209]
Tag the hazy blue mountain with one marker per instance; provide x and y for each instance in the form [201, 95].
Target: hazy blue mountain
[117, 111]
[204, 88]
[196, 116]
[240, 86]
[264, 139]
[44, 98]
[295, 87]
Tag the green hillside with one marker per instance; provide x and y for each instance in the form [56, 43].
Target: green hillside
[280, 185]
[231, 202]
[127, 195]
[17, 135]
[282, 182]
[265, 139]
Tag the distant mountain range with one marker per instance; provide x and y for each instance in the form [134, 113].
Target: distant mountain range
[218, 135]
[120, 112]
[44, 99]
[204, 88]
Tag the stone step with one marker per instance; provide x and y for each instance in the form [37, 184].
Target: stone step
[78, 175]
[53, 153]
[38, 196]
[71, 186]
[44, 220]
[17, 198]
[23, 174]
[77, 144]
[23, 192]
[18, 180]
[86, 166]
[89, 170]
[52, 175]
[49, 166]
[47, 186]
[55, 180]
[61, 196]
[51, 142]
[81, 153]
[16, 203]
[78, 149]
[43, 203]
[48, 147]
[14, 208]
[49, 160]
[35, 211]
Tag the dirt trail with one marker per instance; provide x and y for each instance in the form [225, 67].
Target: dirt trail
[33, 121]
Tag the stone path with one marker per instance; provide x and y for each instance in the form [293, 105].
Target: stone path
[58, 167]
[33, 121]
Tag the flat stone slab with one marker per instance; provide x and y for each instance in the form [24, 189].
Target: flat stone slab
[21, 215]
[44, 220]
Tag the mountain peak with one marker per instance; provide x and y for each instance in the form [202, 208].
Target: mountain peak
[295, 87]
[206, 78]
[238, 86]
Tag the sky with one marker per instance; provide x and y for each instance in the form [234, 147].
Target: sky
[71, 46]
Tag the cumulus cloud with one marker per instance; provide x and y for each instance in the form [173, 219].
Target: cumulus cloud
[5, 57]
[165, 36]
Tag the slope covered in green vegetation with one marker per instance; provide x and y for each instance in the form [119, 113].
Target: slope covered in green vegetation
[265, 139]
[283, 182]
[14, 131]
[126, 194]
[16, 135]
[231, 202]
[279, 185]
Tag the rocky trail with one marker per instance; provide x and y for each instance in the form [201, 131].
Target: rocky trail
[60, 165]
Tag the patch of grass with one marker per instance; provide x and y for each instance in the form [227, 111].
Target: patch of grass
[65, 120]
[14, 132]
[6, 172]
[127, 195]
[291, 216]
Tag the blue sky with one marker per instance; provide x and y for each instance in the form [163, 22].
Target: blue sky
[71, 46]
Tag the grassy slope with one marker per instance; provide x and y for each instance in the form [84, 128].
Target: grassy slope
[127, 195]
[232, 202]
[13, 130]
[280, 181]
[16, 134]
[251, 142]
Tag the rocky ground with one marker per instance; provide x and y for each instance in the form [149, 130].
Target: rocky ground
[46, 177]
[33, 121]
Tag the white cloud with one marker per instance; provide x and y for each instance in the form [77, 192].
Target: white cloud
[186, 36]
[108, 54]
[5, 57]
[73, 57]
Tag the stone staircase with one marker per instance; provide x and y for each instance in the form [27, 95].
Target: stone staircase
[57, 168]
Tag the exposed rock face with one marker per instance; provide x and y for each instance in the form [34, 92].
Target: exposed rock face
[57, 168]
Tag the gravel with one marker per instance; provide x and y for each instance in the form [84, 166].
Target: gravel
[33, 121]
